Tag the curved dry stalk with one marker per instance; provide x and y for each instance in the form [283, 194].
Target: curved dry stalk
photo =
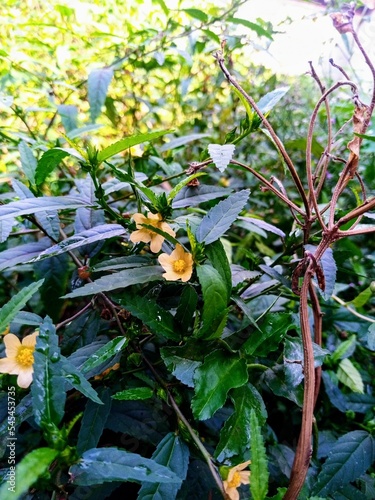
[309, 174]
[303, 452]
[280, 146]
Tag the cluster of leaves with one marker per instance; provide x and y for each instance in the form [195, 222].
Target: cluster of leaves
[145, 386]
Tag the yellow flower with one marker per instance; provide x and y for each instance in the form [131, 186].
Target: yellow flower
[19, 358]
[178, 265]
[235, 479]
[147, 235]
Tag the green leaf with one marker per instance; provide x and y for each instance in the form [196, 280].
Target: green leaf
[26, 473]
[186, 308]
[76, 379]
[31, 206]
[219, 219]
[371, 337]
[344, 349]
[134, 394]
[68, 114]
[28, 161]
[159, 320]
[22, 412]
[47, 389]
[106, 352]
[98, 233]
[272, 331]
[118, 280]
[362, 298]
[269, 101]
[329, 267]
[178, 362]
[348, 459]
[128, 142]
[215, 302]
[9, 311]
[100, 465]
[192, 196]
[348, 375]
[217, 256]
[174, 192]
[93, 422]
[6, 227]
[235, 434]
[47, 164]
[97, 83]
[259, 30]
[219, 373]
[259, 466]
[221, 155]
[197, 14]
[55, 273]
[173, 453]
[22, 253]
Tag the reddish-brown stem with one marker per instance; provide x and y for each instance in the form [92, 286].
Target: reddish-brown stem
[317, 312]
[303, 451]
[280, 146]
[269, 186]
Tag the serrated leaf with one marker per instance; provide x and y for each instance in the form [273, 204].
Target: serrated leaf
[97, 233]
[215, 299]
[217, 256]
[47, 164]
[128, 142]
[345, 349]
[192, 196]
[177, 361]
[371, 337]
[268, 101]
[182, 184]
[259, 465]
[22, 253]
[197, 14]
[273, 329]
[100, 465]
[77, 132]
[47, 389]
[35, 205]
[348, 459]
[121, 279]
[75, 378]
[219, 219]
[93, 422]
[134, 394]
[159, 320]
[9, 311]
[6, 227]
[348, 375]
[235, 434]
[97, 84]
[28, 161]
[27, 472]
[22, 412]
[173, 453]
[68, 114]
[221, 155]
[186, 308]
[248, 24]
[104, 353]
[263, 225]
[219, 373]
[362, 298]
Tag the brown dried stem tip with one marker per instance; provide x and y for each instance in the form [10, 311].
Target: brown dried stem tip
[344, 22]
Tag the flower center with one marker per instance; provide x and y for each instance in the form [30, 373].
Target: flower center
[25, 356]
[179, 266]
[236, 481]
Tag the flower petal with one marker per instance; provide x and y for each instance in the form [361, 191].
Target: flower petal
[143, 235]
[166, 262]
[156, 243]
[12, 344]
[9, 365]
[30, 340]
[25, 378]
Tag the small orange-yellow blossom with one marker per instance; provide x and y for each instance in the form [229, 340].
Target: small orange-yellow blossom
[178, 265]
[19, 358]
[236, 477]
[147, 235]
